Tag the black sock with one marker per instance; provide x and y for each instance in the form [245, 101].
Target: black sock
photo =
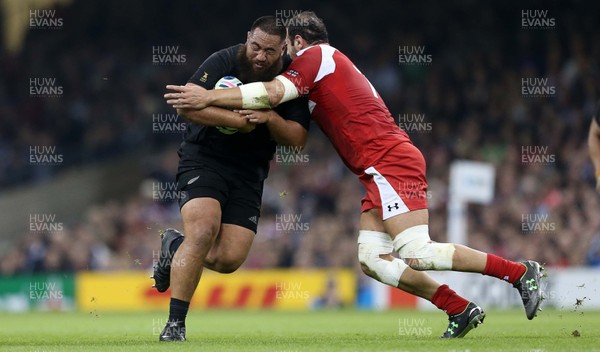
[175, 244]
[178, 310]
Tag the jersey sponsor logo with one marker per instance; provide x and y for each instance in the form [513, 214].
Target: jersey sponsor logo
[292, 73]
[253, 219]
[204, 77]
[192, 180]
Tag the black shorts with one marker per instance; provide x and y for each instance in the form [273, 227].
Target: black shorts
[240, 199]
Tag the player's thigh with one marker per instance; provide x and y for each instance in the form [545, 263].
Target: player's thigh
[398, 223]
[239, 224]
[203, 193]
[370, 220]
[201, 217]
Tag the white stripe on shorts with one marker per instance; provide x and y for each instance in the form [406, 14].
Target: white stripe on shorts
[391, 203]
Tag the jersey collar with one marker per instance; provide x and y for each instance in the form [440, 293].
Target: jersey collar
[312, 46]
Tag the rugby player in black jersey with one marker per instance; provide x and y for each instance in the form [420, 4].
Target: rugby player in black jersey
[221, 175]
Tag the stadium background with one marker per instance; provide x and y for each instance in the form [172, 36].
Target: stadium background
[87, 170]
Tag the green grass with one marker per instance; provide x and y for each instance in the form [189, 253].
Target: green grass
[346, 330]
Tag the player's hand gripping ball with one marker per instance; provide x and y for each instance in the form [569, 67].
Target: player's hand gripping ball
[224, 83]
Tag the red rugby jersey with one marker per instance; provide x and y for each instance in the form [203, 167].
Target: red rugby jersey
[345, 105]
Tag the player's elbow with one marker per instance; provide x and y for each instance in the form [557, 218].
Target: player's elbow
[300, 141]
[297, 139]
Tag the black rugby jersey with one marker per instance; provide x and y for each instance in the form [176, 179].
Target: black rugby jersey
[245, 154]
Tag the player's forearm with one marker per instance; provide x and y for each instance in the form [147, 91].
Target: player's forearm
[230, 98]
[286, 132]
[257, 95]
[213, 116]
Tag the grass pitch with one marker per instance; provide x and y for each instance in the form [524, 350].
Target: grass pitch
[345, 330]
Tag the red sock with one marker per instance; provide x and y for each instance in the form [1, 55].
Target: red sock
[449, 301]
[503, 269]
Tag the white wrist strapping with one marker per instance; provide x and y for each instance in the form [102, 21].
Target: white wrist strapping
[290, 91]
[255, 96]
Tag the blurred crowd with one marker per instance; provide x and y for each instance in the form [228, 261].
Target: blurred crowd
[470, 98]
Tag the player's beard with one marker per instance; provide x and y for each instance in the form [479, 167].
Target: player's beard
[249, 74]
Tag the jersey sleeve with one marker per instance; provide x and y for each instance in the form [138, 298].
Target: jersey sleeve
[295, 110]
[597, 115]
[217, 65]
[303, 70]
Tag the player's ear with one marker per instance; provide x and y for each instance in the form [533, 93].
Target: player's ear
[248, 36]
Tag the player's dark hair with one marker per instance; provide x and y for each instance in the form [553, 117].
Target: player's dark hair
[268, 24]
[310, 27]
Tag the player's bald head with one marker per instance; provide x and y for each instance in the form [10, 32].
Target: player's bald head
[310, 27]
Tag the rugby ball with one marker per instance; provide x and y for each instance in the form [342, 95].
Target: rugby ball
[224, 83]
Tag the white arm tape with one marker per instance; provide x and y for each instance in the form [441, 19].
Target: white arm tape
[255, 96]
[290, 91]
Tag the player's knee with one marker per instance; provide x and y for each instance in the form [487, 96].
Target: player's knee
[202, 239]
[228, 262]
[224, 263]
[227, 267]
[365, 269]
[226, 259]
[420, 253]
[210, 261]
[370, 273]
[374, 250]
[200, 235]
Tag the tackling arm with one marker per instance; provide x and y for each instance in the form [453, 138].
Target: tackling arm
[215, 116]
[257, 95]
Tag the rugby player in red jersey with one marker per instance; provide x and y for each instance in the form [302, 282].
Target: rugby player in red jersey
[394, 217]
